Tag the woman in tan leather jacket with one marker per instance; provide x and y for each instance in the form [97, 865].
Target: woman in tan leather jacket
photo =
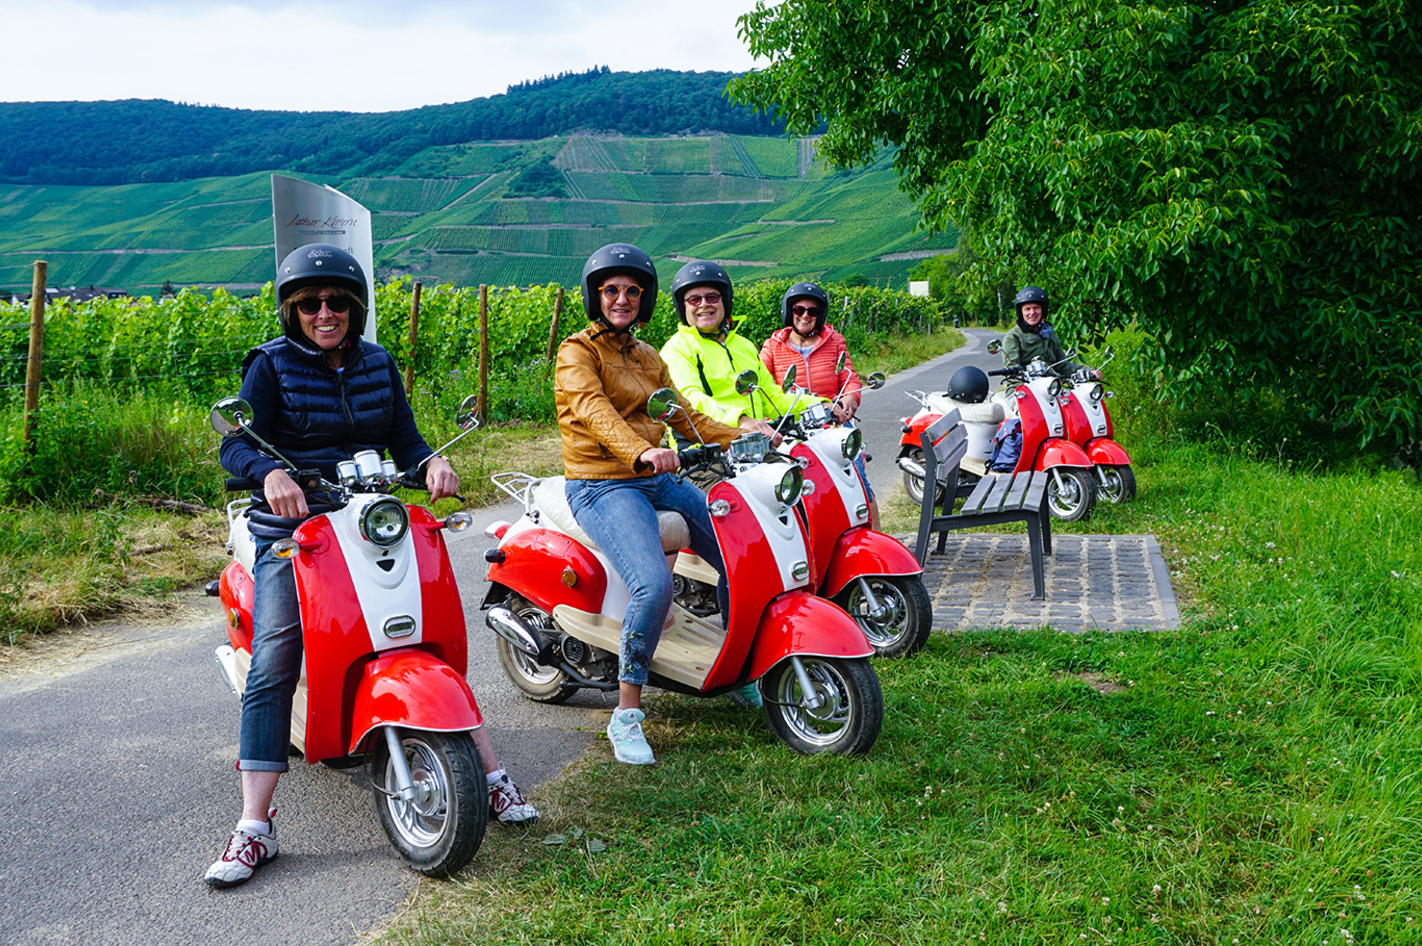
[617, 475]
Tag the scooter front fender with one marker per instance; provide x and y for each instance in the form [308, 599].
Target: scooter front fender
[1059, 452]
[862, 551]
[414, 690]
[1104, 451]
[797, 622]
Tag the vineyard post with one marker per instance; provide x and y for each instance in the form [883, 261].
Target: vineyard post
[414, 338]
[32, 366]
[553, 332]
[483, 353]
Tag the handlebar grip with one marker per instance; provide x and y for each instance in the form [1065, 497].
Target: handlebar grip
[999, 372]
[242, 484]
[690, 457]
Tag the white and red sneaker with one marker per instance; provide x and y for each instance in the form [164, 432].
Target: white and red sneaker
[507, 804]
[245, 853]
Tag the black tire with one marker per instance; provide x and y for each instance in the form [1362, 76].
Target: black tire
[846, 723]
[1076, 500]
[905, 628]
[535, 681]
[1117, 485]
[913, 485]
[437, 832]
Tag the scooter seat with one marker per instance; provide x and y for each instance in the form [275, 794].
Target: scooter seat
[551, 497]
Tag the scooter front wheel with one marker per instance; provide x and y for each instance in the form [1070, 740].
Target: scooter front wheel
[1074, 497]
[1118, 484]
[904, 618]
[850, 711]
[438, 831]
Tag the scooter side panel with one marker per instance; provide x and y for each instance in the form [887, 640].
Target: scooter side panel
[336, 637]
[800, 623]
[235, 592]
[862, 551]
[412, 689]
[533, 566]
[442, 630]
[1106, 452]
[825, 514]
[755, 578]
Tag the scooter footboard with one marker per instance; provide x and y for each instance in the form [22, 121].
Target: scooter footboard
[413, 689]
[800, 623]
[863, 551]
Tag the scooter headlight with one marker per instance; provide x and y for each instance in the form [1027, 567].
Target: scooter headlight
[1055, 388]
[385, 522]
[1098, 391]
[790, 485]
[853, 443]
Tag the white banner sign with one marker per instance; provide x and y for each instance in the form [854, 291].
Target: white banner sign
[303, 212]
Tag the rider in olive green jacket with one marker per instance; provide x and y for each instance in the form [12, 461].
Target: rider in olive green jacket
[1033, 337]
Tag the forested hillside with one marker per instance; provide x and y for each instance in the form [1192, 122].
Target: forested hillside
[155, 141]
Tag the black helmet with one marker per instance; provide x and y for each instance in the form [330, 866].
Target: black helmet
[701, 272]
[1030, 294]
[619, 259]
[969, 384]
[804, 290]
[322, 264]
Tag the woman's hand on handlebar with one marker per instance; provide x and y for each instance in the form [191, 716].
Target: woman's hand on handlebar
[284, 496]
[440, 478]
[753, 425]
[660, 459]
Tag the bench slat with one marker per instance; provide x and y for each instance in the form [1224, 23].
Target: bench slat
[951, 449]
[1017, 491]
[974, 503]
[999, 492]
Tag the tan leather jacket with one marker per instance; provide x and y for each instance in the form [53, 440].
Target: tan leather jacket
[600, 388]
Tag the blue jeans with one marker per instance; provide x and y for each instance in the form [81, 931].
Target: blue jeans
[276, 664]
[620, 516]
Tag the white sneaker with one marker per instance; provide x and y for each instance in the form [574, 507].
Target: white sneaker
[245, 853]
[507, 804]
[624, 731]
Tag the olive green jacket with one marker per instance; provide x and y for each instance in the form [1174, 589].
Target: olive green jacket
[1020, 347]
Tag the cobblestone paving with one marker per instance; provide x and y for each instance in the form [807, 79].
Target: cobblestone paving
[1094, 582]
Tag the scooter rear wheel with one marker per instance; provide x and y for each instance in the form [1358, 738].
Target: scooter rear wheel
[535, 681]
[851, 710]
[1118, 484]
[913, 485]
[438, 831]
[904, 629]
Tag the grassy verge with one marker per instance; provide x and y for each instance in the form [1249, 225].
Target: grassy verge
[1248, 778]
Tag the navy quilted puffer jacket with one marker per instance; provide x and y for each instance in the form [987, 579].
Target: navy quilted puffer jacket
[317, 416]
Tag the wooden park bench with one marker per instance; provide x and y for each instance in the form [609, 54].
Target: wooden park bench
[994, 499]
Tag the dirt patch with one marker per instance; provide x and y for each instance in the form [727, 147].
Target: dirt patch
[1097, 681]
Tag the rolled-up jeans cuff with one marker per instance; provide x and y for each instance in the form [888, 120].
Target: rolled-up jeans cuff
[256, 765]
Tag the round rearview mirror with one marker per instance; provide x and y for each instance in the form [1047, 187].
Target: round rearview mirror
[791, 376]
[994, 347]
[662, 403]
[468, 416]
[745, 381]
[230, 416]
[876, 380]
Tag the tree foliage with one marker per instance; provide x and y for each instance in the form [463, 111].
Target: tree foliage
[1239, 176]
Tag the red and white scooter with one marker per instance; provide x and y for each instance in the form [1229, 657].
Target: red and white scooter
[556, 604]
[1088, 425]
[1032, 396]
[385, 649]
[869, 574]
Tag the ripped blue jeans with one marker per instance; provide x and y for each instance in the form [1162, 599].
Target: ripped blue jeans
[621, 517]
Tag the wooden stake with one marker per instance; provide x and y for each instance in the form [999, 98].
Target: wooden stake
[414, 339]
[553, 331]
[32, 366]
[483, 354]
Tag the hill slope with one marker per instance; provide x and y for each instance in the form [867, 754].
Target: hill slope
[498, 213]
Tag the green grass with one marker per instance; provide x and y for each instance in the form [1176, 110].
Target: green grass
[1248, 778]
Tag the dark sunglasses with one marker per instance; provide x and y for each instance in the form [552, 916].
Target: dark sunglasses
[806, 310]
[311, 305]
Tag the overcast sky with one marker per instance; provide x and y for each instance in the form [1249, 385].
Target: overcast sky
[350, 55]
